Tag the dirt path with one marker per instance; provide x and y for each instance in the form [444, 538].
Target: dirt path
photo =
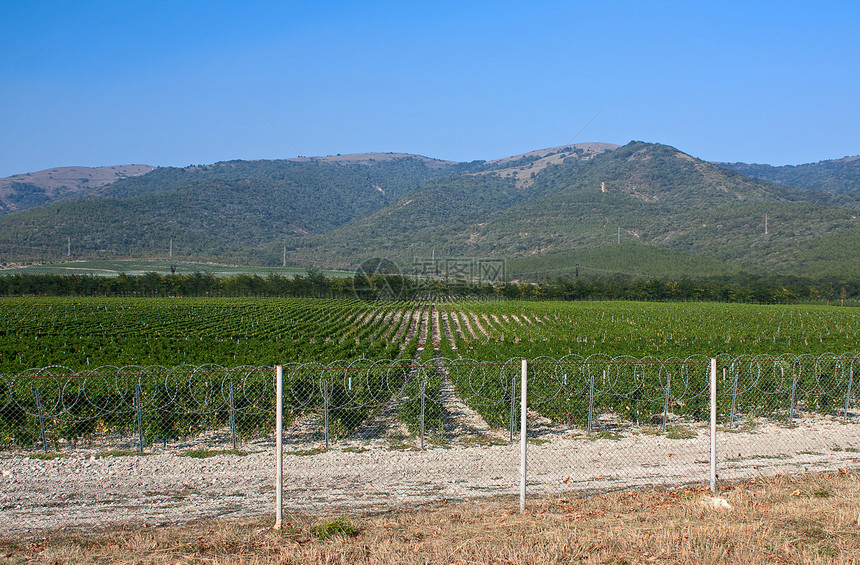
[458, 418]
[89, 492]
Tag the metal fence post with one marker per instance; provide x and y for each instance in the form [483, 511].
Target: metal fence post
[232, 416]
[513, 404]
[423, 390]
[848, 393]
[523, 432]
[139, 409]
[666, 401]
[734, 397]
[793, 389]
[41, 420]
[590, 404]
[279, 445]
[325, 410]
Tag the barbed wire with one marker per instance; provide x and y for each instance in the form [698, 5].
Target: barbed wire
[57, 404]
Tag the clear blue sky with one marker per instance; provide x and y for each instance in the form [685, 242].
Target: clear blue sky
[174, 83]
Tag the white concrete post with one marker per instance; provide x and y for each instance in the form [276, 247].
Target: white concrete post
[279, 446]
[713, 425]
[523, 432]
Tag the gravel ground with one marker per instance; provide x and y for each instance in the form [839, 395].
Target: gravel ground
[86, 490]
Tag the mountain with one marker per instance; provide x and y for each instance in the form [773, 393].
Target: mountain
[226, 210]
[641, 209]
[838, 176]
[586, 203]
[20, 192]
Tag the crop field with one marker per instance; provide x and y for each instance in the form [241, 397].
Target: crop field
[661, 330]
[81, 333]
[178, 367]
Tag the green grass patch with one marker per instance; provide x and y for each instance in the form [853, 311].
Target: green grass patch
[339, 527]
[484, 441]
[121, 453]
[605, 435]
[47, 456]
[304, 452]
[203, 453]
[679, 432]
[401, 446]
[438, 441]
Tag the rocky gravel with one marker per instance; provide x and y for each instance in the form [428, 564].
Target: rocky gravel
[88, 489]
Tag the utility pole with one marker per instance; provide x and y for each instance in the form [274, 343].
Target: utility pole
[171, 247]
[69, 252]
[619, 236]
[765, 223]
[285, 256]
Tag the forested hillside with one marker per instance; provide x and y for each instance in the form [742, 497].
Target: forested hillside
[224, 211]
[579, 209]
[642, 209]
[838, 176]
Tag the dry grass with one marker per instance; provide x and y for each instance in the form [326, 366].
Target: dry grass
[801, 519]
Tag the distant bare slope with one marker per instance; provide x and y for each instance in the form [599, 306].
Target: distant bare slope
[365, 158]
[524, 168]
[23, 191]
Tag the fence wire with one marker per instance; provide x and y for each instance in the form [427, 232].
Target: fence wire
[371, 434]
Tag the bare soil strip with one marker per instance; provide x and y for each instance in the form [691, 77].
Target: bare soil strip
[393, 321]
[468, 324]
[384, 422]
[405, 321]
[446, 328]
[458, 418]
[414, 322]
[86, 490]
[455, 323]
[435, 332]
[478, 325]
[424, 327]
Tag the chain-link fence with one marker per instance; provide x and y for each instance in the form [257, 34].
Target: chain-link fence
[57, 409]
[370, 435]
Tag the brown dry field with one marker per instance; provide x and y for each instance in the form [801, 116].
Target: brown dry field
[811, 518]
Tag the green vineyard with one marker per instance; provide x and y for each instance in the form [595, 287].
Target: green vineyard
[160, 370]
[92, 332]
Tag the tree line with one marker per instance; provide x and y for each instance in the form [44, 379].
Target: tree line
[313, 283]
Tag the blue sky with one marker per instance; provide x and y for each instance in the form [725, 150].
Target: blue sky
[171, 83]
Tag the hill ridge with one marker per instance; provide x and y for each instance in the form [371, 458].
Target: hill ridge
[548, 207]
